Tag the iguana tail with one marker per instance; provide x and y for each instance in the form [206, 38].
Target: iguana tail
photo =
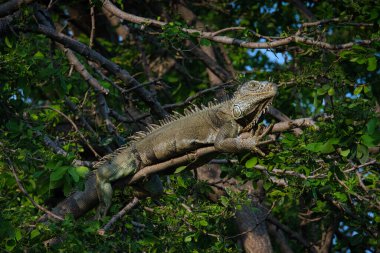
[79, 202]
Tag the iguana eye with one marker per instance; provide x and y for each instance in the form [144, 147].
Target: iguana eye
[236, 111]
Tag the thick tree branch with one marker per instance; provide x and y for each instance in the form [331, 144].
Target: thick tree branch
[122, 74]
[12, 6]
[230, 40]
[209, 62]
[81, 69]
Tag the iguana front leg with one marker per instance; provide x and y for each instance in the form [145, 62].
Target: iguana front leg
[253, 142]
[226, 140]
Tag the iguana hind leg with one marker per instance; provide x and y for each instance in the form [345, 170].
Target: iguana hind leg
[104, 190]
[121, 165]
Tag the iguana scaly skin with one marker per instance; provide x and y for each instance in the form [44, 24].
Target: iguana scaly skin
[219, 125]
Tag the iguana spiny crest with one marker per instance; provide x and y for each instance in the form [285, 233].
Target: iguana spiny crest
[250, 101]
[247, 104]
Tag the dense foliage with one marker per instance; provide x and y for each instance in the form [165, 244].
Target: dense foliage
[321, 182]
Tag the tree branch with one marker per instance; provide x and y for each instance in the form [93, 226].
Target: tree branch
[122, 74]
[12, 6]
[230, 40]
[117, 216]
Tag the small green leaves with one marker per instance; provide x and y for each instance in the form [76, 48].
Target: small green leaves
[372, 63]
[344, 153]
[358, 90]
[324, 148]
[179, 169]
[82, 171]
[249, 164]
[361, 55]
[362, 153]
[7, 42]
[73, 173]
[58, 173]
[39, 55]
[188, 238]
[203, 223]
[34, 233]
[371, 125]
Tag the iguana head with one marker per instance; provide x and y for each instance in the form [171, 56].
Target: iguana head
[251, 100]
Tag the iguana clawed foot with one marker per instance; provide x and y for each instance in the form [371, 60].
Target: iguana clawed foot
[255, 139]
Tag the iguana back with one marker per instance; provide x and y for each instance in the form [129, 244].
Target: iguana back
[217, 125]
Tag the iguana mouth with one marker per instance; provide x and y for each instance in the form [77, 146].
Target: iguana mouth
[256, 114]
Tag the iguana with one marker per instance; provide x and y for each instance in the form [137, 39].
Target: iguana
[218, 125]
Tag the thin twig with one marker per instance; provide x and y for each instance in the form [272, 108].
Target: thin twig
[334, 20]
[21, 187]
[355, 167]
[117, 216]
[359, 175]
[92, 34]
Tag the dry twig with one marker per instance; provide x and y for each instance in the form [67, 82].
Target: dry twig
[117, 216]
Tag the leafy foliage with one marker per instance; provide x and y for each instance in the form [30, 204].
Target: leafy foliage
[326, 175]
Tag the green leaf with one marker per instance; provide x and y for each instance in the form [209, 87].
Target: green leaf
[362, 153]
[82, 171]
[355, 59]
[345, 53]
[358, 90]
[372, 63]
[18, 235]
[324, 148]
[10, 244]
[73, 173]
[203, 223]
[34, 233]
[225, 201]
[251, 163]
[331, 91]
[321, 206]
[321, 91]
[181, 182]
[371, 126]
[342, 197]
[58, 173]
[344, 153]
[361, 60]
[39, 55]
[188, 238]
[179, 169]
[368, 140]
[7, 42]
